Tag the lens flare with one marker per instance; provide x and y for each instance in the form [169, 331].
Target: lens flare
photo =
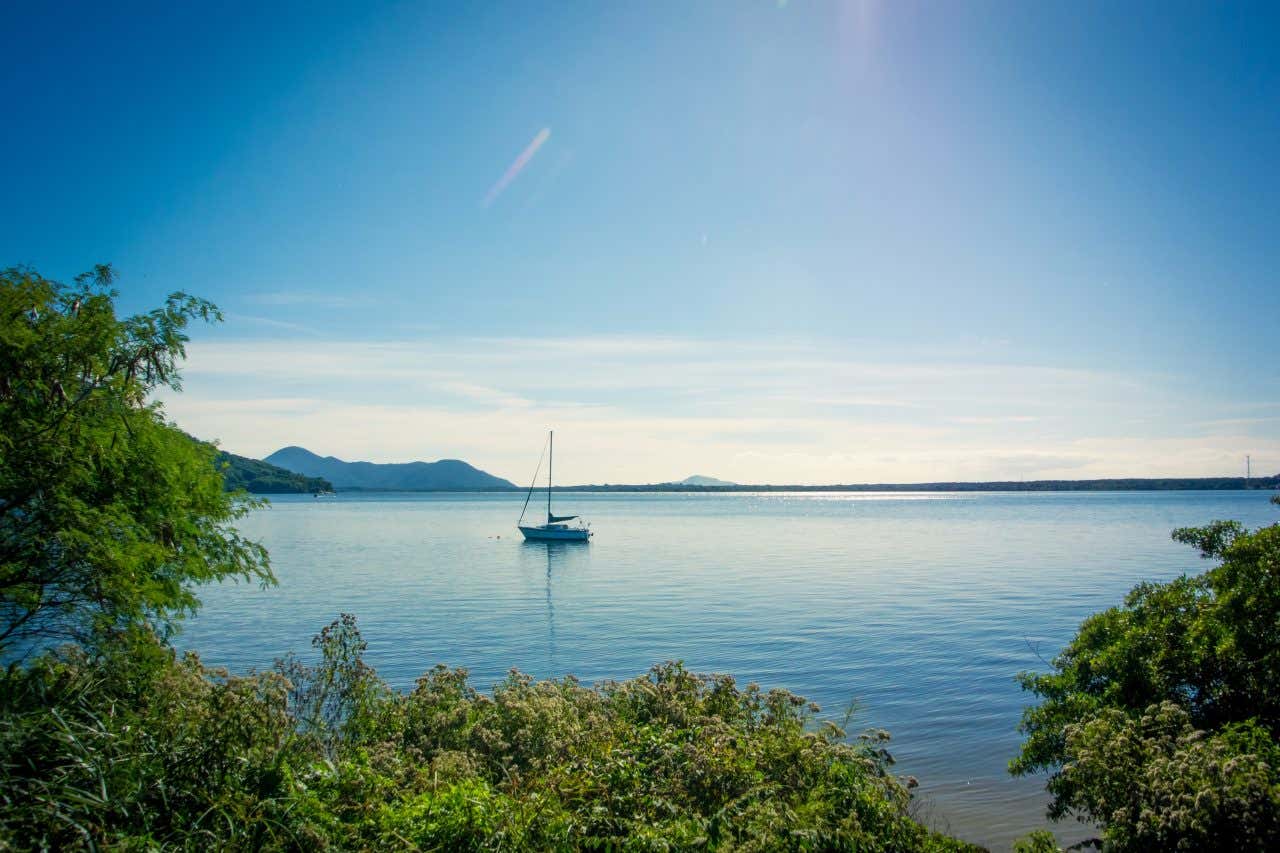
[517, 165]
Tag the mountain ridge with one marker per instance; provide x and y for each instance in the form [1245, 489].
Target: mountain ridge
[446, 475]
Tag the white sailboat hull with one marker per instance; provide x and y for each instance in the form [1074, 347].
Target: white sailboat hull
[555, 532]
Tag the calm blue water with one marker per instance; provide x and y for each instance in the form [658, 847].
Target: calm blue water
[921, 608]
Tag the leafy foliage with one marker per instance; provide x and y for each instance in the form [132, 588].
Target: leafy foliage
[133, 748]
[1040, 841]
[144, 750]
[1160, 719]
[1163, 784]
[108, 514]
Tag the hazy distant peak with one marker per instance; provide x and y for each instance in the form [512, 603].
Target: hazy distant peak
[700, 480]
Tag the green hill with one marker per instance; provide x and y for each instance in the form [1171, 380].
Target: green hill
[445, 475]
[263, 478]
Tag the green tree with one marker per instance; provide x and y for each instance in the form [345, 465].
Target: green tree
[1159, 721]
[108, 514]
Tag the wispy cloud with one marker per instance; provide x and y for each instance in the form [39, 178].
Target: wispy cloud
[987, 420]
[486, 394]
[274, 324]
[851, 401]
[517, 165]
[313, 298]
[639, 409]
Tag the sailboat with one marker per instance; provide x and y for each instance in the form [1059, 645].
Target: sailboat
[555, 529]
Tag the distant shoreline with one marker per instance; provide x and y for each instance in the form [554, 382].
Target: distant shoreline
[1162, 484]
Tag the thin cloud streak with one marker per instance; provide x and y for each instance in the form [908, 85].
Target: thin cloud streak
[309, 298]
[517, 165]
[986, 420]
[274, 324]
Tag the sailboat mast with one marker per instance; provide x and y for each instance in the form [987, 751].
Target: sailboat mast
[533, 484]
[550, 459]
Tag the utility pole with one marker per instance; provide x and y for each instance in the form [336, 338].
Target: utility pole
[1247, 470]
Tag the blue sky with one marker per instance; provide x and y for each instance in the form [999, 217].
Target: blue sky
[773, 242]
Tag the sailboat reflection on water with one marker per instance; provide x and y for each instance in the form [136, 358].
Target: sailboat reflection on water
[555, 529]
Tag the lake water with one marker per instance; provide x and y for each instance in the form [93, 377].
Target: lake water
[919, 607]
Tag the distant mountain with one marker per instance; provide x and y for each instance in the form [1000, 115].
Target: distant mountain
[699, 480]
[263, 478]
[446, 475]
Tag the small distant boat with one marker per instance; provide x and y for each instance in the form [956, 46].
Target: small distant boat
[555, 529]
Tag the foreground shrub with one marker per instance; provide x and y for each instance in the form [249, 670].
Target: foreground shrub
[1165, 785]
[135, 748]
[1160, 721]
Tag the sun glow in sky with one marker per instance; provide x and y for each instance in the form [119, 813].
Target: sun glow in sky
[795, 242]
